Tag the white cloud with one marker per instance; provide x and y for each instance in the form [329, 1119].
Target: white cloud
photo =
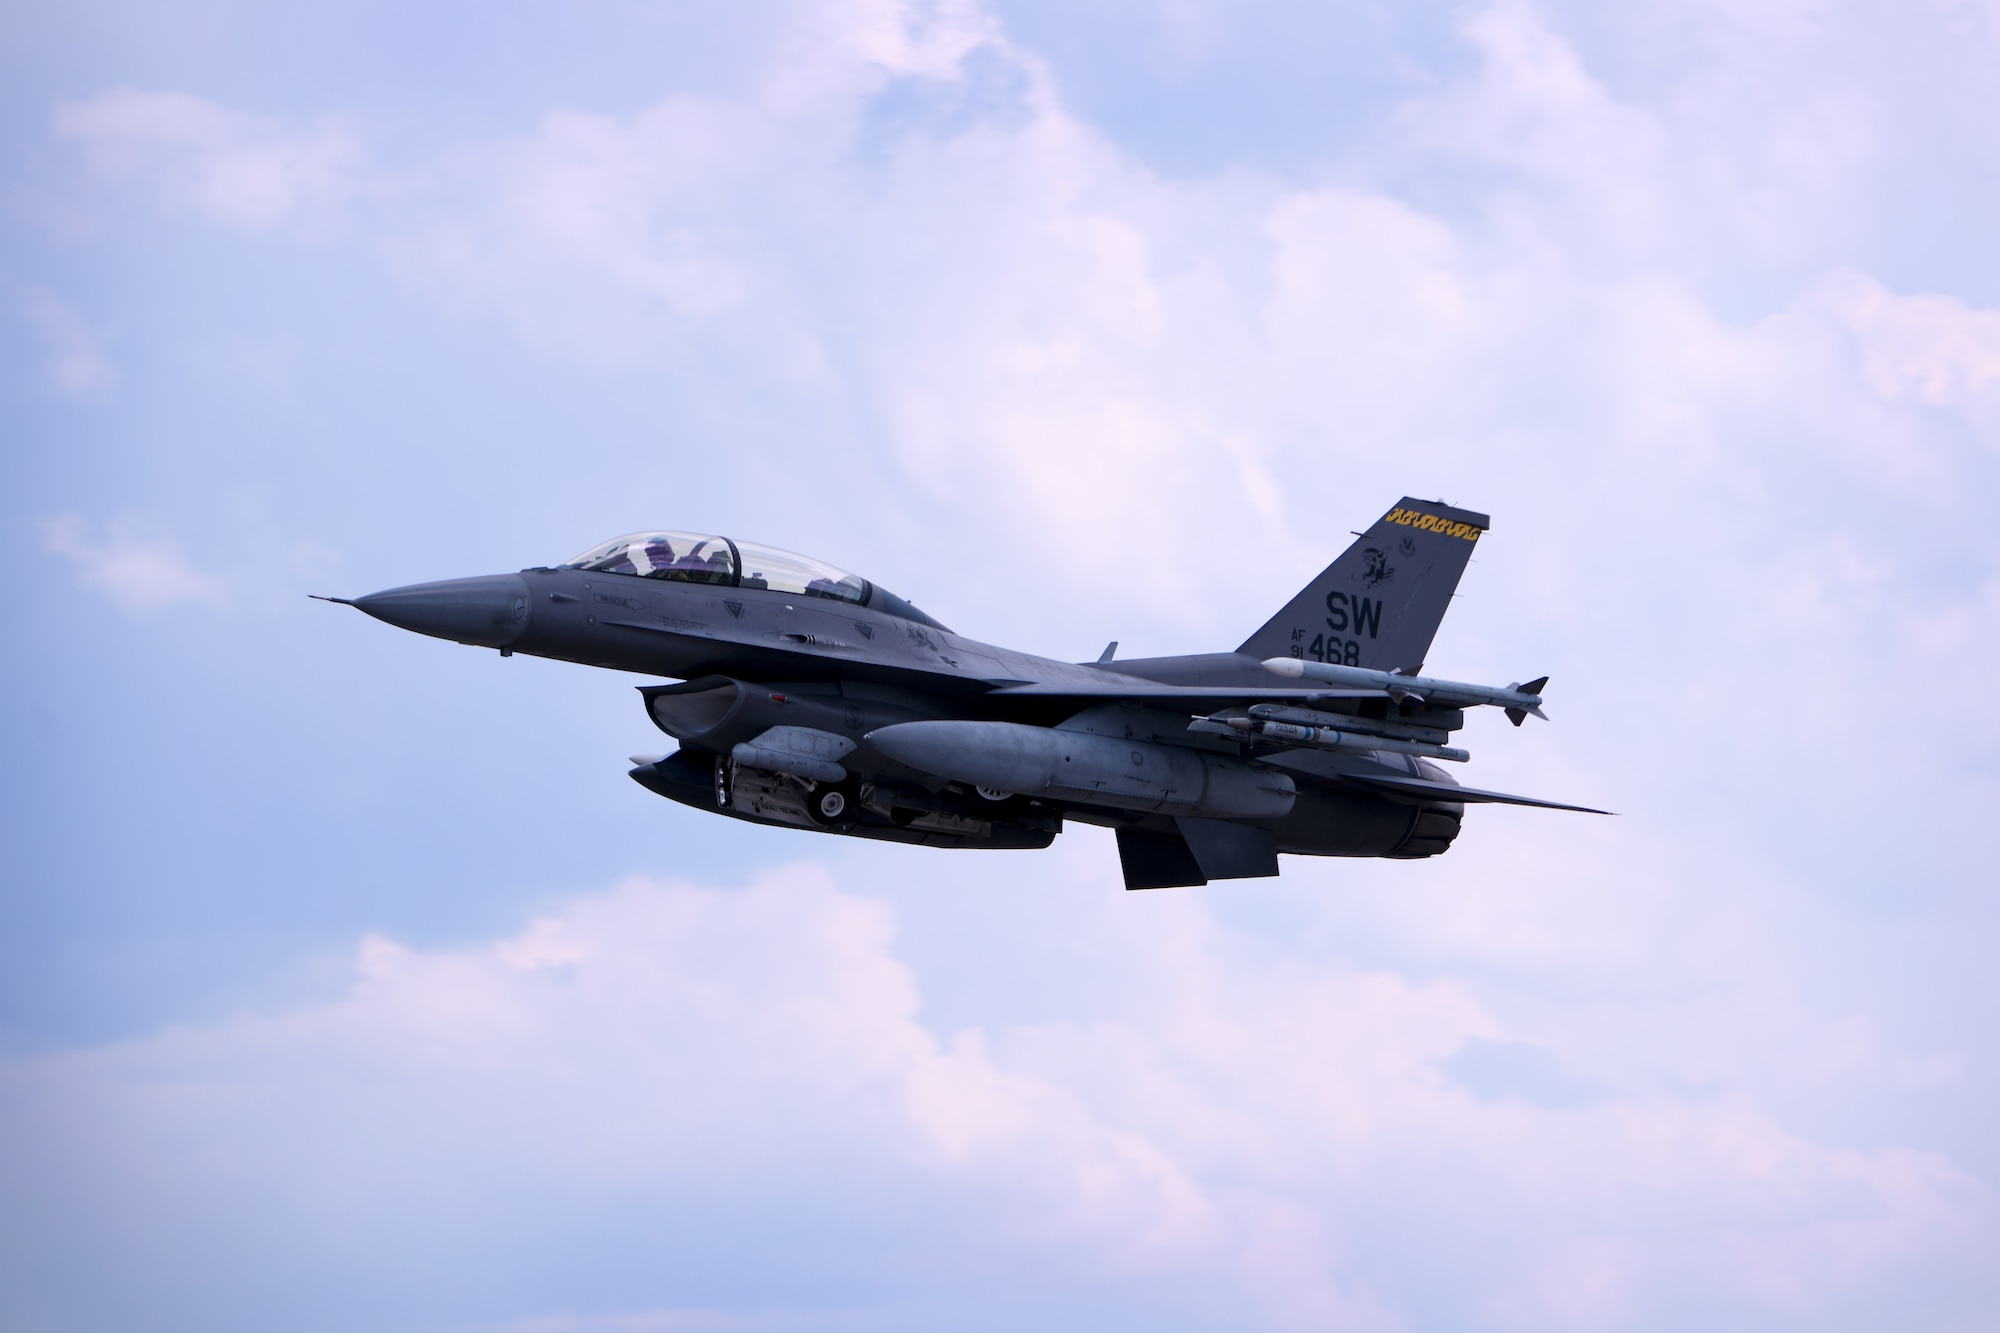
[140, 571]
[1232, 1122]
[241, 170]
[1930, 348]
[1094, 386]
[1177, 397]
[1103, 373]
[1532, 105]
[827, 43]
[77, 365]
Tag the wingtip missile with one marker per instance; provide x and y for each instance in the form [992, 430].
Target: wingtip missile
[1422, 688]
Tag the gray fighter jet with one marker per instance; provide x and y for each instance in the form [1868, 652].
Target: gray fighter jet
[813, 699]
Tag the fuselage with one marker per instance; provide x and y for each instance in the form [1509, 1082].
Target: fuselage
[845, 668]
[808, 697]
[662, 628]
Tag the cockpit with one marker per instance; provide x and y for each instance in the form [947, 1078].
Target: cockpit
[688, 557]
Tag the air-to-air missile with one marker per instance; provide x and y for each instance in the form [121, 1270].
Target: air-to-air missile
[1321, 737]
[1517, 699]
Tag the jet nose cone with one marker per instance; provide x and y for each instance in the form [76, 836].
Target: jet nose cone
[490, 611]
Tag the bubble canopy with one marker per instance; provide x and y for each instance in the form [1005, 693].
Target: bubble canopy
[692, 557]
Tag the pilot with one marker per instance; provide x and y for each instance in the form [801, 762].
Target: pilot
[715, 569]
[659, 556]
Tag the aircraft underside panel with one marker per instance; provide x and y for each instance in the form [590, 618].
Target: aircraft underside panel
[720, 785]
[1163, 854]
[1154, 851]
[779, 798]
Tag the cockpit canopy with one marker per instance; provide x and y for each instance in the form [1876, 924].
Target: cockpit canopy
[690, 557]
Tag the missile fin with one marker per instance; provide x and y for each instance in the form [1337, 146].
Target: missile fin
[1516, 715]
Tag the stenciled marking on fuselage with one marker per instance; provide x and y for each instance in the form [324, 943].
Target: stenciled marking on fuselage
[1366, 614]
[1326, 648]
[1345, 612]
[1416, 518]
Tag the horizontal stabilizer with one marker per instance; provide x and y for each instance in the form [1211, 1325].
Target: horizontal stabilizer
[1157, 860]
[1225, 849]
[1394, 785]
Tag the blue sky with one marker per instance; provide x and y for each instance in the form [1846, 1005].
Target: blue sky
[346, 982]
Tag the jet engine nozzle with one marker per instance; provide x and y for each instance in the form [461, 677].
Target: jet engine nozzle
[490, 611]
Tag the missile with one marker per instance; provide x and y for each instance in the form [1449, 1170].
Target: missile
[1364, 726]
[1090, 770]
[1319, 738]
[1515, 698]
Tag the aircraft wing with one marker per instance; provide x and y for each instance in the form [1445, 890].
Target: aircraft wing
[1397, 785]
[1198, 698]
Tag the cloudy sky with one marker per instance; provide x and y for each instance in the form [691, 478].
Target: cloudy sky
[346, 983]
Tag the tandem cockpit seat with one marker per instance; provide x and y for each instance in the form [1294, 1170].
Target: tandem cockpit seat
[690, 557]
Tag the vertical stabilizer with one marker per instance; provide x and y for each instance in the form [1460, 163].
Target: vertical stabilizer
[1379, 605]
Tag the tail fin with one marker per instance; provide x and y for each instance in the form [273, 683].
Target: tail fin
[1380, 604]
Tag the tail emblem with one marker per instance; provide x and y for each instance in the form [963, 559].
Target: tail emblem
[1378, 568]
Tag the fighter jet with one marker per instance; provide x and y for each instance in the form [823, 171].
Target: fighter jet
[810, 698]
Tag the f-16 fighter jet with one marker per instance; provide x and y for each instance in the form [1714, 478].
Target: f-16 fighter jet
[811, 698]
